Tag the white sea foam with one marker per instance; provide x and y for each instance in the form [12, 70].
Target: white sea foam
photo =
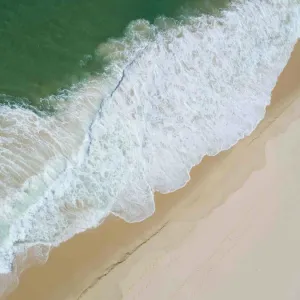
[172, 93]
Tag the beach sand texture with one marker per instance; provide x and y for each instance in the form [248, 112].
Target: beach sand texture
[231, 233]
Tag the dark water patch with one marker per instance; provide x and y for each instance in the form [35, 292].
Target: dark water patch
[49, 45]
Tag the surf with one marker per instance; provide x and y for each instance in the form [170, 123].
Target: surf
[172, 92]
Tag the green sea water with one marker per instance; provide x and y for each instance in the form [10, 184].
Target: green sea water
[48, 45]
[170, 95]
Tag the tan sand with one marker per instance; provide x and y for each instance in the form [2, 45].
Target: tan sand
[231, 233]
[248, 248]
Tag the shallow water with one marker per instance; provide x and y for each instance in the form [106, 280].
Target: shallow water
[170, 92]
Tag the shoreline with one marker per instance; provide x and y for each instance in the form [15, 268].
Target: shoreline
[60, 276]
[235, 251]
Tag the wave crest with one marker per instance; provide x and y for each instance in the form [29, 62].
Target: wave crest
[172, 93]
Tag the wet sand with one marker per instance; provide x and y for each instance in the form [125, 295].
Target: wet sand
[231, 232]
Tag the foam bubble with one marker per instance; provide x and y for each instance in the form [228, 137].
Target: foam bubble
[171, 93]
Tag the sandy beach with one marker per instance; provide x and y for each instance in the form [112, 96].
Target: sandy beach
[231, 233]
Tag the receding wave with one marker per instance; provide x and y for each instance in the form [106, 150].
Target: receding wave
[172, 92]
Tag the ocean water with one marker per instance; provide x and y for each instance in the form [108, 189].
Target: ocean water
[46, 46]
[155, 101]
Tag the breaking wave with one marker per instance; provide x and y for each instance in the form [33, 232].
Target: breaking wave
[172, 92]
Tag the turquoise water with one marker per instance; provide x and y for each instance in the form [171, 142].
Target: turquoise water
[50, 45]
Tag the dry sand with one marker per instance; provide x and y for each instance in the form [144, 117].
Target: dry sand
[231, 233]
